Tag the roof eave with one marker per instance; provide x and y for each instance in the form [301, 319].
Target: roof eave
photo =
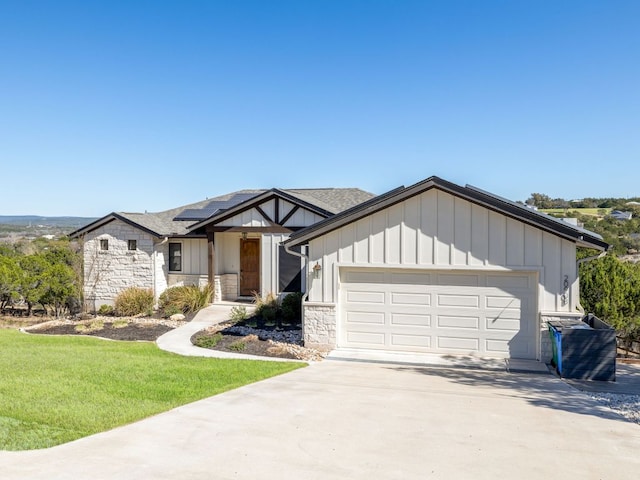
[250, 203]
[108, 219]
[582, 238]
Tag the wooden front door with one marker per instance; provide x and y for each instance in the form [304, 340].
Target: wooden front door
[249, 266]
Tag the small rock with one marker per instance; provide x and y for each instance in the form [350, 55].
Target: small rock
[177, 317]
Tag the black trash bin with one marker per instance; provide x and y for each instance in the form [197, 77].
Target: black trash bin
[584, 349]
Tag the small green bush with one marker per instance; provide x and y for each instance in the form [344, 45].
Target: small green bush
[238, 346]
[207, 341]
[170, 310]
[184, 299]
[238, 314]
[292, 308]
[134, 301]
[106, 310]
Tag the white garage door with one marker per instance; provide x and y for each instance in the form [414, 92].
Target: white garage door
[478, 313]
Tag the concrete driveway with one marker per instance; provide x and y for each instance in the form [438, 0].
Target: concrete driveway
[349, 420]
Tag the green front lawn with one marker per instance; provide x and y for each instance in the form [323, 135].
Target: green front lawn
[57, 389]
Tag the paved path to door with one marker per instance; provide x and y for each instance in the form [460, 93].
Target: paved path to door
[350, 420]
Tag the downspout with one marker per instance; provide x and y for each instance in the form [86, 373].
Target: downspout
[580, 262]
[305, 257]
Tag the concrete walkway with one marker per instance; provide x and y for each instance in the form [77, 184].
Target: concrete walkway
[355, 420]
[179, 340]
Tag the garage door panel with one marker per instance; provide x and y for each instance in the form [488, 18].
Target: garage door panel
[360, 296]
[497, 346]
[372, 318]
[422, 341]
[460, 300]
[366, 339]
[423, 299]
[458, 313]
[493, 301]
[411, 279]
[410, 319]
[367, 277]
[509, 325]
[458, 280]
[509, 281]
[445, 321]
[461, 344]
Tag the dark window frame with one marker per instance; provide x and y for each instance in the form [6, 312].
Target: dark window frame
[132, 245]
[175, 255]
[104, 244]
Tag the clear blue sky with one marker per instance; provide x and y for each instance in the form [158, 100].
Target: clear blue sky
[147, 105]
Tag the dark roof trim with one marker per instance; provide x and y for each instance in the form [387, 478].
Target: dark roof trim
[506, 207]
[108, 219]
[274, 193]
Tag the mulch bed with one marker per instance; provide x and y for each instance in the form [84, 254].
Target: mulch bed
[113, 328]
[132, 332]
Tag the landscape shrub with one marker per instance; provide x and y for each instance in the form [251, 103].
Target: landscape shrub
[267, 308]
[106, 310]
[184, 299]
[207, 341]
[134, 301]
[238, 314]
[237, 346]
[292, 308]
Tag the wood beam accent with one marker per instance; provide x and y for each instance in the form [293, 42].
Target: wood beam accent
[211, 249]
[290, 214]
[264, 215]
[277, 210]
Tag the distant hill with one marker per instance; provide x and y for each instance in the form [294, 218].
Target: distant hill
[36, 220]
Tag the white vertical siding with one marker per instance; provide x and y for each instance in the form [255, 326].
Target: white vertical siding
[428, 227]
[409, 232]
[515, 242]
[439, 231]
[194, 256]
[445, 216]
[302, 218]
[497, 239]
[479, 228]
[462, 232]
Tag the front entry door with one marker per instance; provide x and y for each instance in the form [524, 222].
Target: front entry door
[249, 266]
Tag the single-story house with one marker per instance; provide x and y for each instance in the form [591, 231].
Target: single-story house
[440, 268]
[233, 242]
[618, 215]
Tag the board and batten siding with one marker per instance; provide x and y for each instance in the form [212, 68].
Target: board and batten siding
[194, 255]
[436, 230]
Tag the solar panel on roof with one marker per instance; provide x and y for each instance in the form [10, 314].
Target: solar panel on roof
[213, 207]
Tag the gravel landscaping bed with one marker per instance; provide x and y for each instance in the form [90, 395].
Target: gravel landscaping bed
[253, 341]
[626, 405]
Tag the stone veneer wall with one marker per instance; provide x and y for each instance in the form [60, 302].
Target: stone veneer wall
[319, 325]
[225, 287]
[546, 350]
[181, 279]
[109, 272]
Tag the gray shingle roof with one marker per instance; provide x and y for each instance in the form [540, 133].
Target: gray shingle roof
[164, 223]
